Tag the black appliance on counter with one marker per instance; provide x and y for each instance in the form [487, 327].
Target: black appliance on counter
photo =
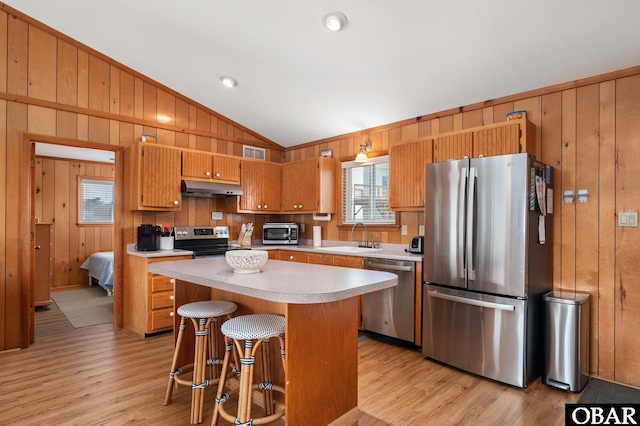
[203, 241]
[148, 238]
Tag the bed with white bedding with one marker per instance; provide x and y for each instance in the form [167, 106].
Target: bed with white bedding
[99, 266]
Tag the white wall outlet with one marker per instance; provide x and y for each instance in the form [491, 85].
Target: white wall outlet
[216, 215]
[404, 230]
[628, 219]
[302, 227]
[421, 230]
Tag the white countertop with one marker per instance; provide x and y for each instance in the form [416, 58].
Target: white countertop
[280, 281]
[131, 249]
[388, 251]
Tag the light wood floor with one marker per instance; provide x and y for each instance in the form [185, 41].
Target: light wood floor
[95, 376]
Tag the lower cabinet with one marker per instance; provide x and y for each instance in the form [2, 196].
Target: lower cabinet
[148, 304]
[356, 262]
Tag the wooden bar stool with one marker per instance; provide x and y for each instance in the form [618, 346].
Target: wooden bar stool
[204, 316]
[249, 328]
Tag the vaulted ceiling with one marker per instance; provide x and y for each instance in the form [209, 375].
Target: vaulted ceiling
[299, 82]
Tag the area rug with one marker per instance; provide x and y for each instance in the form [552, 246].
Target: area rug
[86, 306]
[603, 392]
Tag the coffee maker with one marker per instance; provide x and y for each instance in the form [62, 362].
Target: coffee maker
[148, 238]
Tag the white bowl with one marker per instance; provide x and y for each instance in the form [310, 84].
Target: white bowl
[246, 261]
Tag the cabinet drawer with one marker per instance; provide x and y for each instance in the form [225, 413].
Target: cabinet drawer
[348, 261]
[294, 256]
[162, 299]
[320, 259]
[161, 319]
[161, 283]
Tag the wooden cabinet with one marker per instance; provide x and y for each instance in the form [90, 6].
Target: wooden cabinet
[407, 160]
[152, 176]
[510, 137]
[261, 183]
[148, 301]
[212, 167]
[324, 259]
[308, 186]
[293, 256]
[505, 138]
[43, 265]
[407, 163]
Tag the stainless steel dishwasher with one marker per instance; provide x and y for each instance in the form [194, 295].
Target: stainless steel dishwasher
[391, 312]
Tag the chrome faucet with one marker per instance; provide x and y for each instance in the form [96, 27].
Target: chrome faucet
[366, 234]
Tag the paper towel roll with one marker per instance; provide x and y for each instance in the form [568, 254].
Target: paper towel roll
[317, 237]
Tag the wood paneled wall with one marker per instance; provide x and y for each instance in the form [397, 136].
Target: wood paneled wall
[589, 132]
[56, 202]
[51, 85]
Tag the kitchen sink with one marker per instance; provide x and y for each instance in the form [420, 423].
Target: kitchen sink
[348, 249]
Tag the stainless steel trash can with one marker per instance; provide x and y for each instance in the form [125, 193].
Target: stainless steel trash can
[566, 340]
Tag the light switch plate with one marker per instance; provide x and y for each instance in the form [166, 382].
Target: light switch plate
[421, 230]
[404, 230]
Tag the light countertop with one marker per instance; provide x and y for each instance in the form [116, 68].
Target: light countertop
[280, 281]
[131, 249]
[387, 251]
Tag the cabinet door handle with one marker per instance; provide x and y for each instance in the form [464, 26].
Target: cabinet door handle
[172, 298]
[37, 247]
[290, 257]
[170, 314]
[217, 175]
[207, 174]
[259, 206]
[265, 206]
[176, 202]
[172, 280]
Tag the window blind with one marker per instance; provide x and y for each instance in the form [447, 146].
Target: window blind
[96, 201]
[365, 192]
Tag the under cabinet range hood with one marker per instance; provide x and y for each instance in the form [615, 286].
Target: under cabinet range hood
[194, 188]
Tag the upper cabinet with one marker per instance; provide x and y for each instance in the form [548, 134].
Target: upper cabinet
[261, 185]
[505, 138]
[309, 186]
[407, 160]
[205, 166]
[152, 173]
[407, 163]
[510, 137]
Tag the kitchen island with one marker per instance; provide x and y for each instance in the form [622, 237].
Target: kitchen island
[320, 305]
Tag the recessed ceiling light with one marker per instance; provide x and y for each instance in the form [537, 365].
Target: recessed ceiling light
[228, 81]
[335, 21]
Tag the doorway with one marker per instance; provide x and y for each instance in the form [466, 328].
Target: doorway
[70, 150]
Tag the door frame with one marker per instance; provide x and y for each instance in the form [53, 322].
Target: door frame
[27, 225]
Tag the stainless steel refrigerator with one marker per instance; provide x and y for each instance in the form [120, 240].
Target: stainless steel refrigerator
[487, 265]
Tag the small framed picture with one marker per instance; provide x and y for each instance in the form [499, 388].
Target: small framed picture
[326, 153]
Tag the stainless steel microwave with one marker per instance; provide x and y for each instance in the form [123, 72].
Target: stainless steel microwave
[280, 233]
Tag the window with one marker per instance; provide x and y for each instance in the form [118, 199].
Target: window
[365, 192]
[95, 204]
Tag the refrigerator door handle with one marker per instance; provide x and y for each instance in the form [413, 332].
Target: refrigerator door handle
[473, 302]
[462, 193]
[471, 216]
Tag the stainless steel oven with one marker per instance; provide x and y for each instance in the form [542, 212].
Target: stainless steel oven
[280, 233]
[204, 241]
